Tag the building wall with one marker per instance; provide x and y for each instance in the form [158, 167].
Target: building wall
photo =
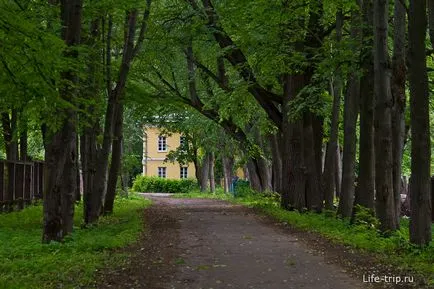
[152, 158]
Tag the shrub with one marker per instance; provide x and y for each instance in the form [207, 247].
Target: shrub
[365, 217]
[162, 185]
[243, 189]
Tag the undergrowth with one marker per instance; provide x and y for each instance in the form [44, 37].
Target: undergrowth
[27, 263]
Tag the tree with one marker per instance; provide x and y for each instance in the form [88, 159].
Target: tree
[420, 183]
[330, 159]
[366, 184]
[385, 205]
[61, 150]
[398, 81]
[351, 110]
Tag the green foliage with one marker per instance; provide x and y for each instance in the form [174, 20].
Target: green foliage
[26, 263]
[162, 185]
[242, 189]
[365, 218]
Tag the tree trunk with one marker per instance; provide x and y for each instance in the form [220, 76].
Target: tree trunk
[432, 199]
[254, 175]
[349, 153]
[398, 97]
[351, 110]
[24, 143]
[385, 204]
[204, 173]
[276, 151]
[116, 160]
[366, 183]
[88, 155]
[211, 172]
[338, 174]
[60, 178]
[420, 183]
[328, 179]
[228, 166]
[431, 36]
[97, 198]
[264, 166]
[313, 191]
[293, 170]
[9, 126]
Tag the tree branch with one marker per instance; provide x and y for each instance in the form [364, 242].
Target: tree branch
[143, 28]
[237, 58]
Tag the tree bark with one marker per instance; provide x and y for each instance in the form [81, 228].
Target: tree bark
[351, 110]
[9, 136]
[293, 167]
[228, 165]
[130, 50]
[115, 165]
[254, 175]
[9, 124]
[211, 172]
[366, 183]
[338, 175]
[24, 143]
[385, 205]
[398, 96]
[313, 190]
[431, 36]
[60, 178]
[420, 183]
[328, 177]
[204, 173]
[276, 151]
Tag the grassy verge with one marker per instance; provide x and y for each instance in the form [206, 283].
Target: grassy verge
[395, 250]
[26, 263]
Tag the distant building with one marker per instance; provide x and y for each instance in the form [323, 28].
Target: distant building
[156, 146]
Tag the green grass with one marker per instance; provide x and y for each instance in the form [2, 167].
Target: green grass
[26, 263]
[395, 249]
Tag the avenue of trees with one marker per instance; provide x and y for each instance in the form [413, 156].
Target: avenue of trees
[317, 100]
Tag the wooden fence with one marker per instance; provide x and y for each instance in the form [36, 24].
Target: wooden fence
[20, 184]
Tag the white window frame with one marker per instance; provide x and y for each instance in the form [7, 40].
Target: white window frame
[162, 144]
[162, 172]
[182, 140]
[183, 172]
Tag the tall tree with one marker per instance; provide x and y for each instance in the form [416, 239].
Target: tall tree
[385, 204]
[61, 151]
[131, 48]
[431, 36]
[398, 81]
[366, 183]
[330, 161]
[420, 183]
[351, 110]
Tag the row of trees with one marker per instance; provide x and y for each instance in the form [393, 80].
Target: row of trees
[64, 61]
[275, 77]
[271, 78]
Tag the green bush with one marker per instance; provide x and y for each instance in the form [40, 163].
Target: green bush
[243, 189]
[162, 185]
[365, 218]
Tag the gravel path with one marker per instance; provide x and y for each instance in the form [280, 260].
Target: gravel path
[210, 244]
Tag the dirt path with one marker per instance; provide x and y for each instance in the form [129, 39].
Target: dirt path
[209, 244]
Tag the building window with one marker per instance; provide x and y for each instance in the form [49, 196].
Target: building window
[162, 172]
[182, 141]
[184, 172]
[162, 144]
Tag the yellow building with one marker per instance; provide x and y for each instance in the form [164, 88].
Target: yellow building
[155, 149]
